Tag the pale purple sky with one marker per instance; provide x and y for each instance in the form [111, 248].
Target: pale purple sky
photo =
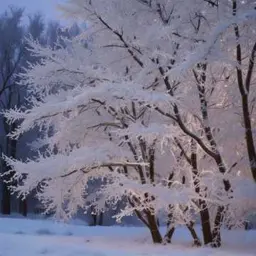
[46, 7]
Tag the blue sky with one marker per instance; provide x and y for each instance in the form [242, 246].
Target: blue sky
[46, 7]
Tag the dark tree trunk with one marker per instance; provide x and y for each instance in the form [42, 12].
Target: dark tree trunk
[194, 234]
[100, 223]
[217, 226]
[169, 234]
[6, 200]
[6, 194]
[154, 230]
[204, 212]
[94, 218]
[205, 221]
[170, 225]
[249, 136]
[11, 148]
[150, 221]
[23, 207]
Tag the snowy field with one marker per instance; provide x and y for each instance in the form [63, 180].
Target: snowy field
[22, 237]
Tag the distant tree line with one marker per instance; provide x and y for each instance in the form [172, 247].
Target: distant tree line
[15, 29]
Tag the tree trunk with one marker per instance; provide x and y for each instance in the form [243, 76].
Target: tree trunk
[150, 221]
[6, 195]
[6, 200]
[100, 219]
[170, 224]
[94, 218]
[204, 212]
[249, 136]
[206, 226]
[154, 230]
[194, 234]
[11, 148]
[216, 237]
[169, 234]
[23, 207]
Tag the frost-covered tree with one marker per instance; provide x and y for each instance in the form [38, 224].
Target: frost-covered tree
[146, 100]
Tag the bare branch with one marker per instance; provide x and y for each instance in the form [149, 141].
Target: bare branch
[121, 38]
[104, 165]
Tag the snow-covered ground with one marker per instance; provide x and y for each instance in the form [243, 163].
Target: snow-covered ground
[24, 237]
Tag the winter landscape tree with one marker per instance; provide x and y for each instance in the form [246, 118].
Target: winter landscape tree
[156, 98]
